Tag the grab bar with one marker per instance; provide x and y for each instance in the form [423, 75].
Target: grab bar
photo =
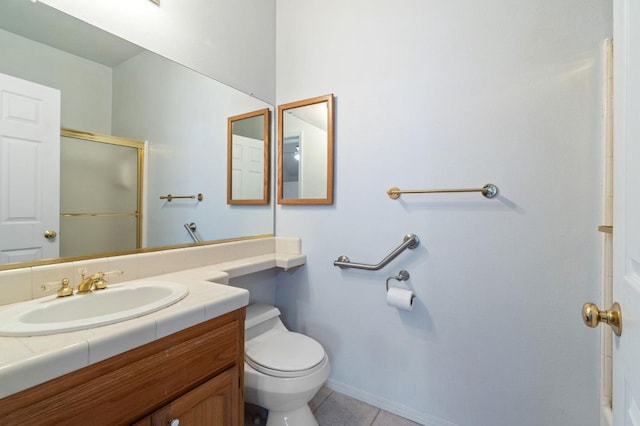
[410, 241]
[191, 229]
[489, 191]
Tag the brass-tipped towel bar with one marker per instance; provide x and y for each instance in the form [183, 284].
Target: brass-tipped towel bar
[170, 197]
[410, 241]
[489, 191]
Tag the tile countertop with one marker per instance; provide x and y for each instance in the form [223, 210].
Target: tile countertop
[29, 361]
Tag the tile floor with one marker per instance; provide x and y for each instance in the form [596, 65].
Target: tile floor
[335, 409]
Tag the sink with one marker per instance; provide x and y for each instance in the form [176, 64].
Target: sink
[118, 302]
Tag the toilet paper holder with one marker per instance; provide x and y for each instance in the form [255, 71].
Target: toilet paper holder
[402, 276]
[400, 298]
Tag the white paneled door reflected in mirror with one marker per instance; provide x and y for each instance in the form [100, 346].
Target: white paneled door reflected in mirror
[248, 158]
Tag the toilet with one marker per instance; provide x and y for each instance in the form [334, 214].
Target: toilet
[283, 370]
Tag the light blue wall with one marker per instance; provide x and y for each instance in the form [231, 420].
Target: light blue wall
[454, 94]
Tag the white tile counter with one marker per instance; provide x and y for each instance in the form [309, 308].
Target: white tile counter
[28, 361]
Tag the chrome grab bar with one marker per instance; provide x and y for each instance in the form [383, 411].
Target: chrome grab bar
[191, 229]
[410, 241]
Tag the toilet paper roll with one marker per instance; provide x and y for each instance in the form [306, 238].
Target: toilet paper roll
[400, 298]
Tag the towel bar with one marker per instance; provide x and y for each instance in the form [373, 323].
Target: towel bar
[489, 191]
[170, 197]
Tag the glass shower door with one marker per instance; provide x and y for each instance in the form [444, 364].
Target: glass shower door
[100, 194]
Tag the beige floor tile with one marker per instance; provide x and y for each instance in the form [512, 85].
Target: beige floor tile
[340, 410]
[388, 419]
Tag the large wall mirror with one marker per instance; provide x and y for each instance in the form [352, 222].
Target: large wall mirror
[111, 87]
[248, 158]
[305, 151]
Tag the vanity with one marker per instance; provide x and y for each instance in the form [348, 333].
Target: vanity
[184, 362]
[192, 374]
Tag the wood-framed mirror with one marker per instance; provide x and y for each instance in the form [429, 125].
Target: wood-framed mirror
[248, 158]
[305, 151]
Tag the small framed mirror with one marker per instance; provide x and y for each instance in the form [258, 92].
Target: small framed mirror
[305, 151]
[248, 158]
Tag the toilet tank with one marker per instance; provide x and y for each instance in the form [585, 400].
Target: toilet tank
[260, 318]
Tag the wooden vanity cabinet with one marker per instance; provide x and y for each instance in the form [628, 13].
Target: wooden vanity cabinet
[211, 404]
[194, 376]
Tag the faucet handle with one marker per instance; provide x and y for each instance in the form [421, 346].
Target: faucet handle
[115, 272]
[82, 271]
[64, 290]
[101, 283]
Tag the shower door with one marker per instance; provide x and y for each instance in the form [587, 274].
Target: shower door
[100, 193]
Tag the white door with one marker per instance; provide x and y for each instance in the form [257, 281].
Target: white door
[626, 225]
[29, 170]
[247, 168]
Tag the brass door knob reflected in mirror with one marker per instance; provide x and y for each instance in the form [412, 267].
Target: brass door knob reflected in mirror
[592, 316]
[50, 235]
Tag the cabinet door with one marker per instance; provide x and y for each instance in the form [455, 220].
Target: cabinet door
[214, 403]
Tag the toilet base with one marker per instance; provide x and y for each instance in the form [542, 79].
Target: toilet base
[299, 417]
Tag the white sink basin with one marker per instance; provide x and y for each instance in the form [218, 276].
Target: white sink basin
[119, 302]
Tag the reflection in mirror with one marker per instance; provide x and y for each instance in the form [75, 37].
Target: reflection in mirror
[100, 193]
[111, 87]
[305, 151]
[248, 158]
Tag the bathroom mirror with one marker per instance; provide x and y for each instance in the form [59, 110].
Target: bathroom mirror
[305, 151]
[111, 87]
[248, 158]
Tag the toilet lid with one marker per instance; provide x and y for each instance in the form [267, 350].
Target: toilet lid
[283, 353]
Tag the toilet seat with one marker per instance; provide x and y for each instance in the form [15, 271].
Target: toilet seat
[281, 353]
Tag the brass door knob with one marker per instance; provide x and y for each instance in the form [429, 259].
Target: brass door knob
[50, 235]
[592, 316]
